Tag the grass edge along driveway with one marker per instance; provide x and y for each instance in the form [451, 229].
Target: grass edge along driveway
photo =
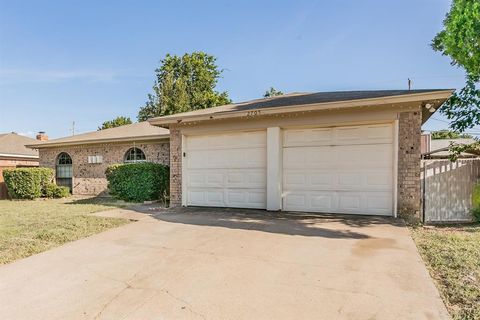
[31, 227]
[452, 255]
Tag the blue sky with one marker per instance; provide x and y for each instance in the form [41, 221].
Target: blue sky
[90, 61]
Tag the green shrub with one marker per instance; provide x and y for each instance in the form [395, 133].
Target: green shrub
[138, 181]
[476, 203]
[54, 191]
[27, 183]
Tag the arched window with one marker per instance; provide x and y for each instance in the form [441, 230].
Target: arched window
[64, 170]
[64, 158]
[134, 155]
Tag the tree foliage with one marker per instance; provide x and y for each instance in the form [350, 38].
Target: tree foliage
[117, 122]
[460, 40]
[183, 84]
[448, 134]
[456, 150]
[272, 92]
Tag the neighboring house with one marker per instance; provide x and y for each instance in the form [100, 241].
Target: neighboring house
[439, 148]
[80, 161]
[14, 154]
[354, 152]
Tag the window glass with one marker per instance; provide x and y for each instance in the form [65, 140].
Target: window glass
[134, 155]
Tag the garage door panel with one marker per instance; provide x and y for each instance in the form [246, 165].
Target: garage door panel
[344, 169]
[336, 179]
[308, 157]
[221, 197]
[308, 137]
[338, 202]
[350, 180]
[209, 197]
[227, 170]
[246, 198]
[246, 178]
[348, 135]
[381, 133]
[206, 179]
[243, 158]
[379, 203]
[349, 202]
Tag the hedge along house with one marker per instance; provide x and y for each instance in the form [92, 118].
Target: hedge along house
[354, 152]
[14, 154]
[80, 161]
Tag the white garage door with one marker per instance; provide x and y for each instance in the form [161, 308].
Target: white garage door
[343, 169]
[227, 170]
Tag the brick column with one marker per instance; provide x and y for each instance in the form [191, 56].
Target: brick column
[175, 167]
[409, 192]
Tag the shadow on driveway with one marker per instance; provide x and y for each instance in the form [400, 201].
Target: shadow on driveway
[335, 226]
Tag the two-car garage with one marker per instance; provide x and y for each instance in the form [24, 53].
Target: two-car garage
[338, 169]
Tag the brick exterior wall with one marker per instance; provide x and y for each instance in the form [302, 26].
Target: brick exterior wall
[175, 167]
[409, 154]
[89, 178]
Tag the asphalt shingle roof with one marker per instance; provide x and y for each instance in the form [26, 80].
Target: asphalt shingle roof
[295, 99]
[134, 131]
[14, 144]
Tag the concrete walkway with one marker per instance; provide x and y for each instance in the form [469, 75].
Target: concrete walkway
[227, 264]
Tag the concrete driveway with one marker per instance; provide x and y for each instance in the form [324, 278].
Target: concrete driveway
[227, 264]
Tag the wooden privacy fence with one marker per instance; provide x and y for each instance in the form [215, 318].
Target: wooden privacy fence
[447, 189]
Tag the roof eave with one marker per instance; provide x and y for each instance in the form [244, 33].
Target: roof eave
[432, 95]
[53, 144]
[12, 155]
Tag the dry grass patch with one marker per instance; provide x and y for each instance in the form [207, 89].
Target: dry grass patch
[452, 255]
[30, 227]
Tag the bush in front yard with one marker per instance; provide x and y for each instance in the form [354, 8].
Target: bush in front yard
[138, 182]
[54, 191]
[476, 203]
[27, 183]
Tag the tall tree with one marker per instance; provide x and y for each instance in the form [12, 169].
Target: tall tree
[183, 84]
[272, 92]
[460, 40]
[117, 122]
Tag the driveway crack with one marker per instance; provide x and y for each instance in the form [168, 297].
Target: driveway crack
[188, 305]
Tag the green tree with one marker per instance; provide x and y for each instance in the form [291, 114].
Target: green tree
[272, 92]
[183, 84]
[460, 40]
[117, 122]
[448, 134]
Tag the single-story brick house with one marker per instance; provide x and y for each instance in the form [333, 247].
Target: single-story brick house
[354, 152]
[14, 154]
[80, 161]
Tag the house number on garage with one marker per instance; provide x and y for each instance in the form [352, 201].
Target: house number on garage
[253, 113]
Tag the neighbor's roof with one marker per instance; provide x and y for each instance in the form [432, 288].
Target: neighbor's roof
[307, 101]
[140, 131]
[441, 147]
[436, 144]
[13, 145]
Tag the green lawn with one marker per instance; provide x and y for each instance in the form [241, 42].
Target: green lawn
[30, 227]
[452, 255]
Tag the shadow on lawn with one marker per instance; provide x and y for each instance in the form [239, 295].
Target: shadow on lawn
[105, 201]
